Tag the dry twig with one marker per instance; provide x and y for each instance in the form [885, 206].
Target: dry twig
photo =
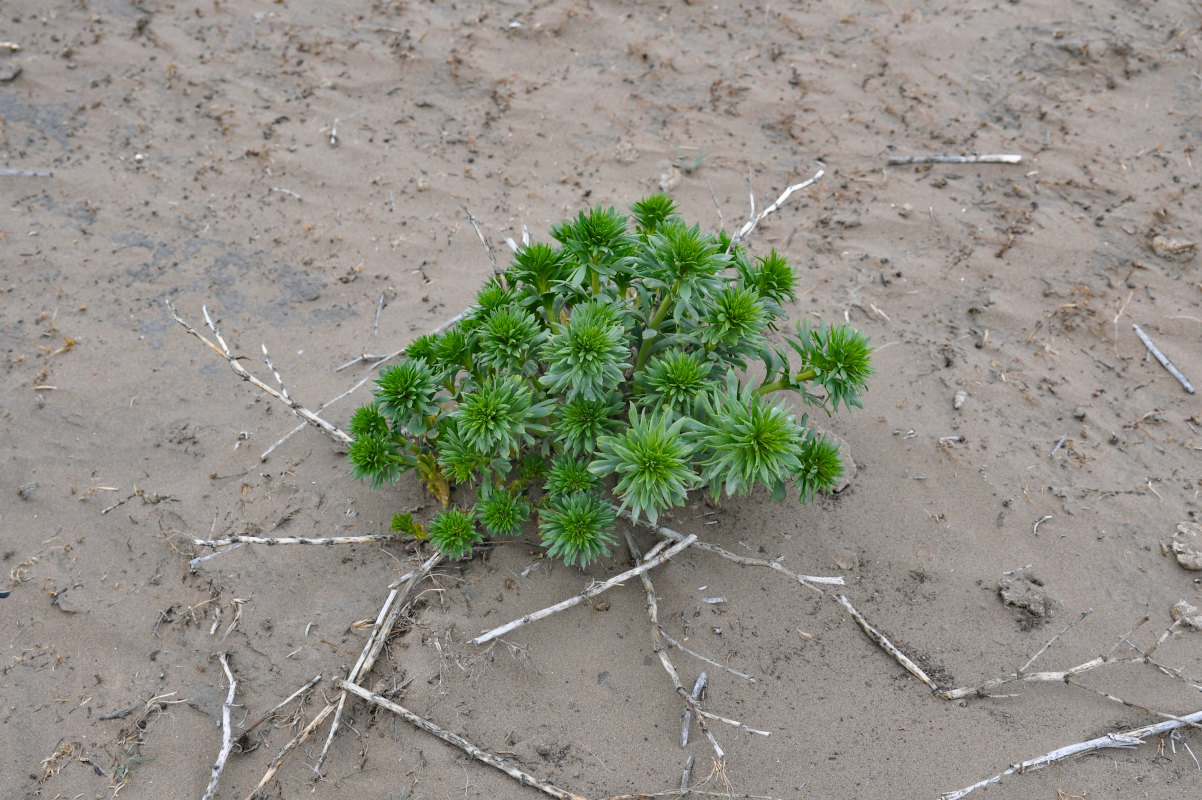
[805, 580]
[385, 620]
[589, 592]
[1163, 359]
[1125, 739]
[690, 698]
[274, 540]
[754, 219]
[524, 778]
[897, 161]
[282, 394]
[227, 736]
[377, 360]
[312, 682]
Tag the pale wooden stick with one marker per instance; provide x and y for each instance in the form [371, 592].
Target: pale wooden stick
[690, 699]
[378, 359]
[897, 161]
[312, 682]
[524, 778]
[1164, 361]
[700, 657]
[354, 676]
[496, 269]
[26, 173]
[883, 642]
[591, 591]
[227, 737]
[274, 540]
[686, 718]
[365, 667]
[1125, 739]
[686, 772]
[806, 580]
[394, 605]
[1021, 673]
[328, 428]
[273, 768]
[755, 218]
[735, 723]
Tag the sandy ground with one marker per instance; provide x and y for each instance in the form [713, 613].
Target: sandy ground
[288, 164]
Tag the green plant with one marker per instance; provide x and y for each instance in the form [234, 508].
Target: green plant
[609, 374]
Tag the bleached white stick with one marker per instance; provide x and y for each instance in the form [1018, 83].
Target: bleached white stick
[224, 351]
[897, 161]
[806, 580]
[274, 540]
[463, 744]
[756, 218]
[1125, 739]
[1163, 359]
[378, 359]
[227, 736]
[591, 591]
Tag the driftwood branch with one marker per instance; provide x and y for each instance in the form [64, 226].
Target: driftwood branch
[591, 591]
[299, 739]
[312, 682]
[227, 735]
[377, 360]
[883, 642]
[274, 540]
[898, 161]
[690, 698]
[385, 620]
[755, 218]
[1125, 739]
[524, 778]
[1163, 359]
[366, 662]
[282, 395]
[805, 580]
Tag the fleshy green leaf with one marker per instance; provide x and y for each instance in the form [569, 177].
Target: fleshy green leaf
[454, 532]
[502, 510]
[652, 459]
[577, 528]
[747, 441]
[407, 392]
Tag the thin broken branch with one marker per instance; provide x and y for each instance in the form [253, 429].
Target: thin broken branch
[398, 598]
[1125, 739]
[270, 540]
[754, 219]
[227, 736]
[883, 642]
[524, 778]
[1163, 359]
[690, 698]
[308, 416]
[898, 161]
[805, 580]
[591, 591]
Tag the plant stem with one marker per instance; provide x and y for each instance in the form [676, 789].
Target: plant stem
[657, 319]
[784, 383]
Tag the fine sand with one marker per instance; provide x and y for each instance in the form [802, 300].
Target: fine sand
[304, 170]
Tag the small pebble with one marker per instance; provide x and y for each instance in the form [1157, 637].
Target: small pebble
[958, 400]
[1079, 412]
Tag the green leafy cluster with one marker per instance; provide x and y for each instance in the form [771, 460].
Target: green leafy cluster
[608, 373]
